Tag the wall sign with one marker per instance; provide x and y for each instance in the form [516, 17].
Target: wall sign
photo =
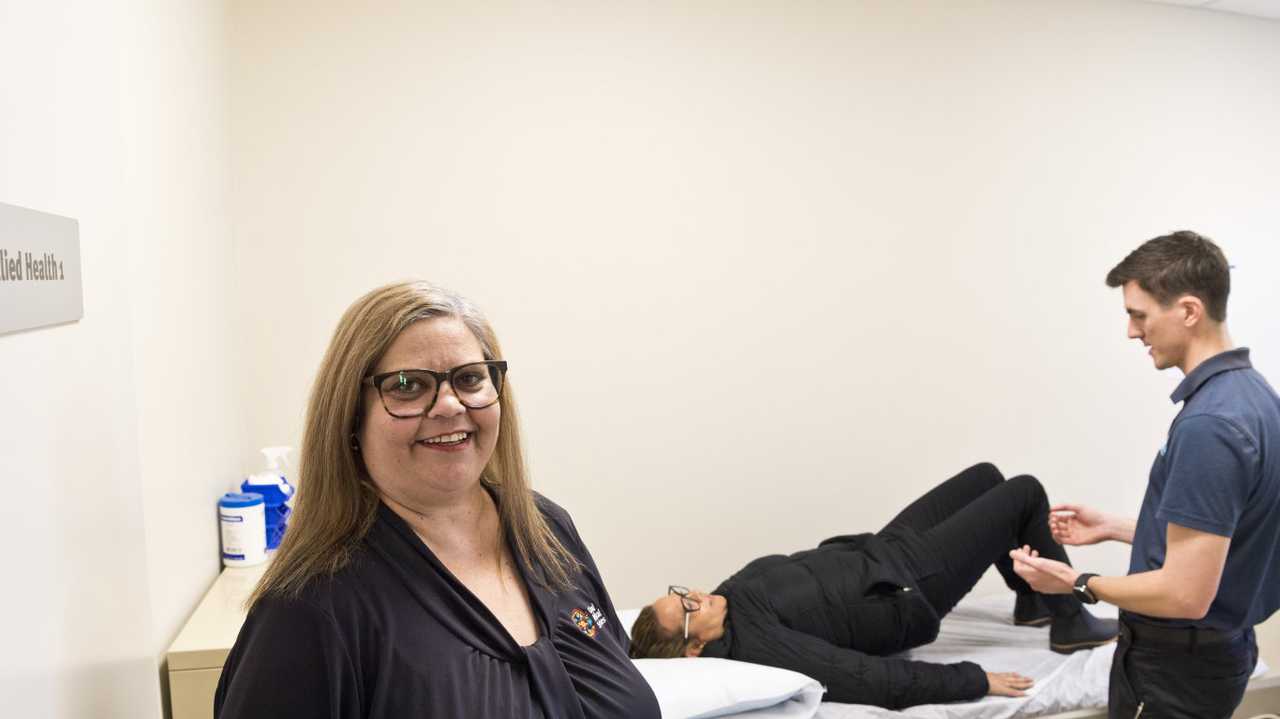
[39, 269]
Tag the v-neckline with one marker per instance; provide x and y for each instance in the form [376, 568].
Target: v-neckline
[540, 599]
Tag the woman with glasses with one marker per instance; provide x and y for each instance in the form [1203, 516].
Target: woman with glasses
[420, 575]
[836, 613]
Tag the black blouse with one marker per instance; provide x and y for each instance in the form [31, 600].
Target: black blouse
[395, 634]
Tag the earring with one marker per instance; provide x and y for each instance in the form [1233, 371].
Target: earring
[355, 443]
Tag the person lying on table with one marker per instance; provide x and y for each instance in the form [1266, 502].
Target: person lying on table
[836, 613]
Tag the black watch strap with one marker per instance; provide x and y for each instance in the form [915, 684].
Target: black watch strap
[1080, 588]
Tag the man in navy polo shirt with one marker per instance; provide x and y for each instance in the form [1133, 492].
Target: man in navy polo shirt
[1205, 564]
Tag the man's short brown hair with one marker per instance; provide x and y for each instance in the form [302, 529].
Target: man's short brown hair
[1181, 263]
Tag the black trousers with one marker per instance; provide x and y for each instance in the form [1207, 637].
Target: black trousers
[1186, 680]
[969, 523]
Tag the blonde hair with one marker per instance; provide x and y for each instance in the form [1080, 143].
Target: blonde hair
[337, 502]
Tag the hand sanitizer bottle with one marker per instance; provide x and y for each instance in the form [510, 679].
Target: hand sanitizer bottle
[276, 493]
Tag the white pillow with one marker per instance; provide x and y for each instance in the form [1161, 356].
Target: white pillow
[702, 687]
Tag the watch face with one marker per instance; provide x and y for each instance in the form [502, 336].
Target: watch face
[1081, 589]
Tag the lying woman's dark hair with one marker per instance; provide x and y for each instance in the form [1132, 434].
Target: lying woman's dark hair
[650, 641]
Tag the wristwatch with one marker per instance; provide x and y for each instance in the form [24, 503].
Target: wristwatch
[1080, 588]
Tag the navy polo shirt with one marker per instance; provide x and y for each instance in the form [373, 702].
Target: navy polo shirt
[1219, 472]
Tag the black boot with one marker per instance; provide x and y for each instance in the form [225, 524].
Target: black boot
[1029, 610]
[1081, 631]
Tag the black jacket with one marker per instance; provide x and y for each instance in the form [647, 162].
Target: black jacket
[834, 613]
[395, 635]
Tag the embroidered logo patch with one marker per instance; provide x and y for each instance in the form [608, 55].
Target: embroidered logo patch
[589, 620]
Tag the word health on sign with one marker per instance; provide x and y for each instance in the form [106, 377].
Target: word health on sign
[25, 266]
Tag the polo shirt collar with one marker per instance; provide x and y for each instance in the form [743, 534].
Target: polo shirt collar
[1217, 364]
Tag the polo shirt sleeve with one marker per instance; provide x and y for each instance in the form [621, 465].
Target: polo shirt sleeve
[1212, 464]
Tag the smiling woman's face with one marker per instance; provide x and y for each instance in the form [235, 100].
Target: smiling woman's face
[401, 461]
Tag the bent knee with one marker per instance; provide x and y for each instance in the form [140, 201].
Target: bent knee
[987, 471]
[1031, 488]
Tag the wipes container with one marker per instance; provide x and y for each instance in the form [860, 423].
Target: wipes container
[243, 523]
[276, 492]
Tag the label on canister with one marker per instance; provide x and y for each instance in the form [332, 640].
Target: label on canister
[244, 529]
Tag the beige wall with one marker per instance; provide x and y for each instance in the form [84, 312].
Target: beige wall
[191, 427]
[763, 274]
[118, 431]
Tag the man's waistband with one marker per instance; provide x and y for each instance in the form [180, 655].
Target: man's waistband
[1186, 637]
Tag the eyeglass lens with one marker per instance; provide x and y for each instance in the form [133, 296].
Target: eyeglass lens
[689, 603]
[411, 392]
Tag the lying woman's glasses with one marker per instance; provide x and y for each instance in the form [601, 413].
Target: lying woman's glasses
[688, 603]
[413, 392]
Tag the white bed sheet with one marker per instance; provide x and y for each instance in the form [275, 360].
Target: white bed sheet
[981, 630]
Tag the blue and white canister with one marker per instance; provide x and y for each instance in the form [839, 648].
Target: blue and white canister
[242, 517]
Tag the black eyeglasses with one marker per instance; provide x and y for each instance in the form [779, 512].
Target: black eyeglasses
[688, 603]
[409, 393]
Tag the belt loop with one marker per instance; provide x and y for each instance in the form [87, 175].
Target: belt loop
[1194, 636]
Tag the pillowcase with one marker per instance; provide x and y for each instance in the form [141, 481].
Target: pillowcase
[702, 687]
[699, 687]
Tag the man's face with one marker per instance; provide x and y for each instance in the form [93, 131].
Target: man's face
[1162, 329]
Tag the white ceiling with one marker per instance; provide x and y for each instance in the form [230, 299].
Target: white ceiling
[1269, 9]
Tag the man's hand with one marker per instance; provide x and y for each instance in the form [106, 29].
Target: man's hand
[1008, 684]
[1047, 576]
[1076, 525]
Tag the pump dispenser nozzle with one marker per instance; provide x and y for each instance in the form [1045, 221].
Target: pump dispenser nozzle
[277, 457]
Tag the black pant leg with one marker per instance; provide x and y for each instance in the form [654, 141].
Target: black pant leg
[1034, 531]
[982, 532]
[938, 504]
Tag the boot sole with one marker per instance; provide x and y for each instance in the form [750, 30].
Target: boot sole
[1072, 648]
[1032, 622]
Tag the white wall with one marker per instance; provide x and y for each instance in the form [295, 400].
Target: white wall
[877, 230]
[763, 274]
[191, 428]
[118, 431]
